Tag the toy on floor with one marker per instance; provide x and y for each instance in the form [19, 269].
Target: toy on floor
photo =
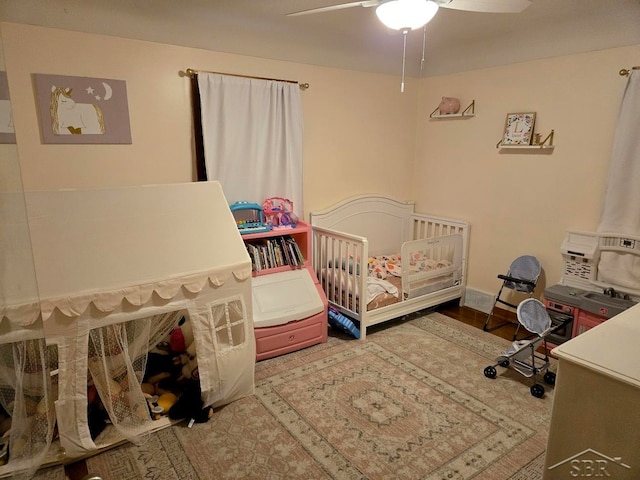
[342, 323]
[97, 416]
[167, 367]
[190, 405]
[172, 382]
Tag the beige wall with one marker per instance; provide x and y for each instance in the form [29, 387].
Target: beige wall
[10, 179]
[521, 203]
[355, 123]
[361, 135]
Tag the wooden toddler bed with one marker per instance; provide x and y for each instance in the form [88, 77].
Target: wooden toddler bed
[403, 261]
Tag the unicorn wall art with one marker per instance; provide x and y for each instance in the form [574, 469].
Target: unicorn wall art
[71, 118]
[82, 109]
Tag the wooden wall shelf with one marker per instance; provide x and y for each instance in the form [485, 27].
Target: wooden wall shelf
[525, 147]
[539, 145]
[466, 113]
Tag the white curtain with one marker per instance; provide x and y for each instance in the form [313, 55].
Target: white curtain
[252, 132]
[621, 208]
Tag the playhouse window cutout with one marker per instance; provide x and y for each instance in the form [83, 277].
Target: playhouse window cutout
[229, 323]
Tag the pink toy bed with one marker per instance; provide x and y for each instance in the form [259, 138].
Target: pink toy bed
[409, 261]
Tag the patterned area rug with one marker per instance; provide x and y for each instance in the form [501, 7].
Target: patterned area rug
[410, 402]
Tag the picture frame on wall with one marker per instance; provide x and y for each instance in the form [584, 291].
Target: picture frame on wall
[7, 133]
[82, 110]
[518, 128]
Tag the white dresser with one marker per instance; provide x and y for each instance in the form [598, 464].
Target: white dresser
[595, 424]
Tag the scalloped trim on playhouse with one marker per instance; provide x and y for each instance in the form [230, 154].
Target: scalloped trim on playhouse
[107, 301]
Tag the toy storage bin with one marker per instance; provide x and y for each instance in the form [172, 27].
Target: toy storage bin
[289, 312]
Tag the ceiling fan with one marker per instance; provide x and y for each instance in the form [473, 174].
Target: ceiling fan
[486, 6]
[407, 15]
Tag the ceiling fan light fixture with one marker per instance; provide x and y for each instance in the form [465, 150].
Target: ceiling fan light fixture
[406, 14]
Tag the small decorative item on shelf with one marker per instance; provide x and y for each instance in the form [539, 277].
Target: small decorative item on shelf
[449, 106]
[538, 141]
[279, 213]
[249, 217]
[518, 128]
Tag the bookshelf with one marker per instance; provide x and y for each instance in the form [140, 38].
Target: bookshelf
[297, 244]
[275, 255]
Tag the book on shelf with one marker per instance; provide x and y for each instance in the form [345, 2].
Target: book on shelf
[274, 252]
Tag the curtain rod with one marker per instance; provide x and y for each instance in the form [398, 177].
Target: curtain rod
[191, 72]
[625, 71]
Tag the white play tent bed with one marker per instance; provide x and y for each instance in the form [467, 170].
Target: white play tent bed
[403, 261]
[116, 269]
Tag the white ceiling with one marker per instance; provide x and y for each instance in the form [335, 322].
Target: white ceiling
[351, 38]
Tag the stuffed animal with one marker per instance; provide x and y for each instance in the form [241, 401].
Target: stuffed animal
[190, 405]
[166, 401]
[176, 372]
[182, 341]
[168, 367]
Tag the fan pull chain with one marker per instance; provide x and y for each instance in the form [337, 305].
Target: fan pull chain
[404, 55]
[424, 42]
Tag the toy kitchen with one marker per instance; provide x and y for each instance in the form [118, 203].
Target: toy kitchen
[582, 300]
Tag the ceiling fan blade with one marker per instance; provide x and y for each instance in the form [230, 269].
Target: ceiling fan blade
[369, 3]
[487, 6]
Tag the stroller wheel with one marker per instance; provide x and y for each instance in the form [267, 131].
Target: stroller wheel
[504, 363]
[550, 378]
[537, 390]
[490, 372]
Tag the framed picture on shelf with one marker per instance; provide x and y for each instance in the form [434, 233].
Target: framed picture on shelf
[518, 128]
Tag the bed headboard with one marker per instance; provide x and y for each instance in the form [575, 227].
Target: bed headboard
[385, 222]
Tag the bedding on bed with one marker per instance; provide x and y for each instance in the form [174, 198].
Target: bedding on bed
[383, 266]
[375, 286]
[384, 280]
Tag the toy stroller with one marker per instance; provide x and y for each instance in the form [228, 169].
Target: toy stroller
[522, 355]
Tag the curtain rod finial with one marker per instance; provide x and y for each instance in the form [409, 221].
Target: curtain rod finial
[191, 72]
[625, 72]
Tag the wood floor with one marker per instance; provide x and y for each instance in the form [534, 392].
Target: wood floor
[503, 323]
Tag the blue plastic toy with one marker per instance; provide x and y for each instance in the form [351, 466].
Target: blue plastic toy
[339, 321]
